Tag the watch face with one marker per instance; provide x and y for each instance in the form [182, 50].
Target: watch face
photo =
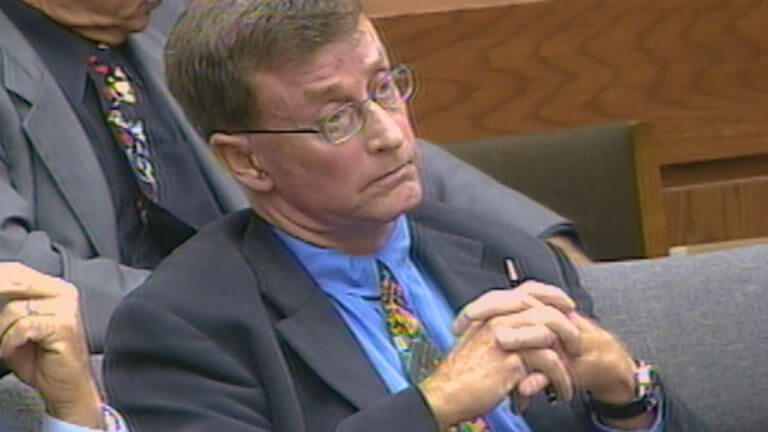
[649, 393]
[647, 378]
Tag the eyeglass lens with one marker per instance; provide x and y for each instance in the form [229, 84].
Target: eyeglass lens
[390, 93]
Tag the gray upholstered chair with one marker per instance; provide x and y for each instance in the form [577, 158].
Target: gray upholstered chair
[586, 174]
[702, 319]
[20, 406]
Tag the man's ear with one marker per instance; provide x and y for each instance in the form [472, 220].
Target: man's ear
[237, 156]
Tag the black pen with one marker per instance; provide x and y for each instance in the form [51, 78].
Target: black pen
[513, 272]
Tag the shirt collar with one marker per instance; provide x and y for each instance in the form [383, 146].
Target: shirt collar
[61, 49]
[357, 274]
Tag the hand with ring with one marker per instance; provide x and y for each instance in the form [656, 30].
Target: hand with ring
[43, 342]
[32, 309]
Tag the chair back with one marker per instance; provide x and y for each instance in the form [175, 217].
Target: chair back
[586, 174]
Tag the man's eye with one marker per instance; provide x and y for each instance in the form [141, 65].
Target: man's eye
[387, 91]
[336, 117]
[339, 120]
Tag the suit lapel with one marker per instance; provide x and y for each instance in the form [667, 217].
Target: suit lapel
[55, 132]
[458, 264]
[311, 326]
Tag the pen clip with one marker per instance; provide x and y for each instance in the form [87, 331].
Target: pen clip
[512, 270]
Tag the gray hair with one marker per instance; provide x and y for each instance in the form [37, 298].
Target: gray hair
[217, 43]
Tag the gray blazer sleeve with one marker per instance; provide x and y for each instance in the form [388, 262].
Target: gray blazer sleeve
[101, 282]
[449, 180]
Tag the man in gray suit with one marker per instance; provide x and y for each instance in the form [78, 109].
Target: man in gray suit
[70, 202]
[73, 201]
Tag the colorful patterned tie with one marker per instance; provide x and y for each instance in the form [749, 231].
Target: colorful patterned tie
[418, 354]
[123, 119]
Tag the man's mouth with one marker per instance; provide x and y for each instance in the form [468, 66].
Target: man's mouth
[391, 173]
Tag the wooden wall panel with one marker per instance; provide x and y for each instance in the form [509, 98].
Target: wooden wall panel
[717, 212]
[696, 71]
[389, 8]
[569, 62]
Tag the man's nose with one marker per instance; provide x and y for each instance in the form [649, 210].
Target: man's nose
[383, 132]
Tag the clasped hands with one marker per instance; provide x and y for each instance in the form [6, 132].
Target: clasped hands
[518, 342]
[42, 341]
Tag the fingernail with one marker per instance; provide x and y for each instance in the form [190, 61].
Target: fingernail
[532, 389]
[460, 324]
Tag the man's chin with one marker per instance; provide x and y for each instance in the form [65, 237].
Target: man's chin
[118, 30]
[113, 36]
[408, 200]
[388, 206]
[413, 201]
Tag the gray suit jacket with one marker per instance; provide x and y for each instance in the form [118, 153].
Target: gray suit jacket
[55, 206]
[230, 333]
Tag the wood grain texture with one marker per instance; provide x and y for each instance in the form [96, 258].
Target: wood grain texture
[546, 65]
[715, 171]
[733, 209]
[696, 71]
[650, 192]
[389, 8]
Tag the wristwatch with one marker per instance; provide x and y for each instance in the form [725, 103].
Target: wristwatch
[649, 393]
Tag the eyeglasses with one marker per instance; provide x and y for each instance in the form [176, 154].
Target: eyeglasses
[390, 92]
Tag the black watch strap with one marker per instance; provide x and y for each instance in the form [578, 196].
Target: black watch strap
[649, 390]
[633, 409]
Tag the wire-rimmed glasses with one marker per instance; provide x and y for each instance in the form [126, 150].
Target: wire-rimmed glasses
[390, 92]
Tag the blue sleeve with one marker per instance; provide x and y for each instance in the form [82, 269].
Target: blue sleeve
[114, 423]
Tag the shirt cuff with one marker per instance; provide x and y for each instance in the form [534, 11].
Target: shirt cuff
[112, 419]
[657, 426]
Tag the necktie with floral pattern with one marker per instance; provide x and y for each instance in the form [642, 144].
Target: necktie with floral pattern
[123, 118]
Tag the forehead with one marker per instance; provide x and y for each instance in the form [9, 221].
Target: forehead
[352, 57]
